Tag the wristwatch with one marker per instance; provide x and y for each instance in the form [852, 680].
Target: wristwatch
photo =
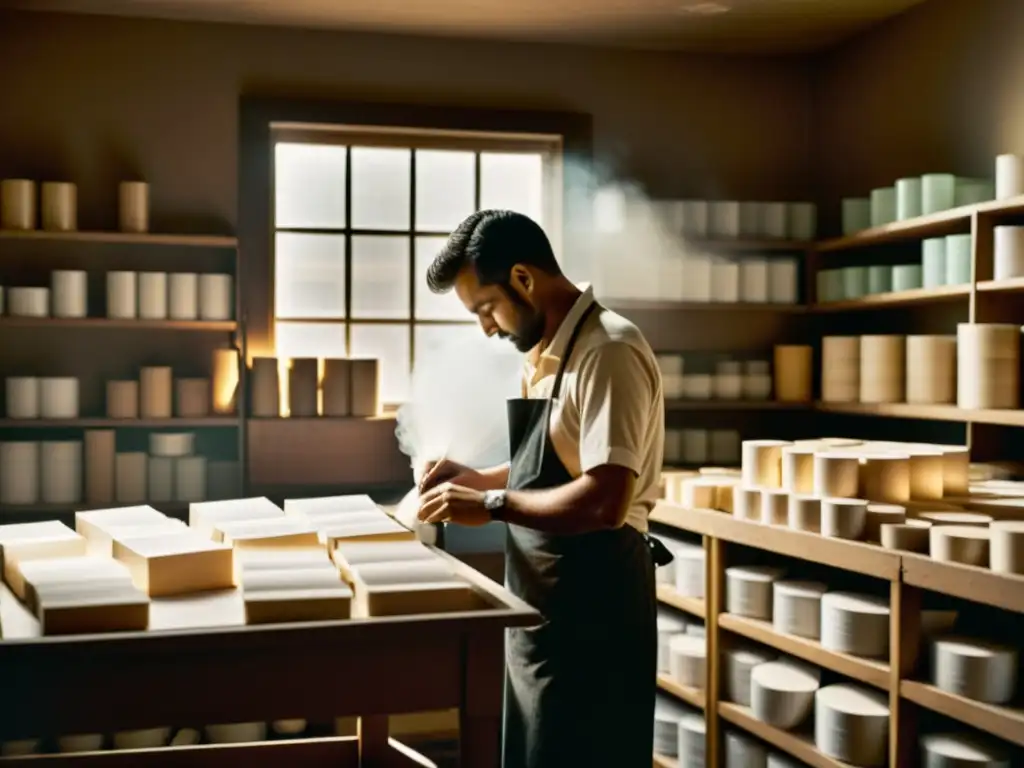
[494, 502]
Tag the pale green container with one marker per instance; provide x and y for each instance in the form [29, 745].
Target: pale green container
[933, 262]
[879, 279]
[856, 215]
[938, 192]
[958, 260]
[855, 282]
[883, 206]
[906, 277]
[830, 285]
[908, 198]
[973, 191]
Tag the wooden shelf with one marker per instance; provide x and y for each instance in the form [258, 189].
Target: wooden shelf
[733, 405]
[1010, 285]
[104, 322]
[87, 423]
[1004, 722]
[767, 245]
[626, 305]
[798, 745]
[123, 238]
[661, 761]
[853, 556]
[897, 298]
[692, 696]
[870, 671]
[691, 605]
[979, 585]
[1003, 417]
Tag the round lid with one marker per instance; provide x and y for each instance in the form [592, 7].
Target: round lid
[968, 646]
[856, 603]
[785, 676]
[759, 573]
[853, 700]
[801, 588]
[688, 645]
[965, 746]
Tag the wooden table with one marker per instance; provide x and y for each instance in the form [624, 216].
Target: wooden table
[199, 664]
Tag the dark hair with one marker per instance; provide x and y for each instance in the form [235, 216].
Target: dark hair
[492, 242]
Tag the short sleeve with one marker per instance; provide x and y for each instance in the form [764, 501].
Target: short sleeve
[615, 393]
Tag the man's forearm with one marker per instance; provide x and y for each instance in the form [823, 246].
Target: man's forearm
[585, 504]
[492, 479]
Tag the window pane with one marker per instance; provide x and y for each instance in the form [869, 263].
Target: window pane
[309, 185]
[380, 188]
[433, 306]
[445, 189]
[430, 339]
[309, 339]
[309, 279]
[390, 345]
[380, 277]
[514, 181]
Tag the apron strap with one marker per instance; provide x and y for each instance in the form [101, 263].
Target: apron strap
[569, 347]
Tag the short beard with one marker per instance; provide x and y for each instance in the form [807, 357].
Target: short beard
[530, 330]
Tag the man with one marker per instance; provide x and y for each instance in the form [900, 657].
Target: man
[586, 443]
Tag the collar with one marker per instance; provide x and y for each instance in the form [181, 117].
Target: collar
[552, 354]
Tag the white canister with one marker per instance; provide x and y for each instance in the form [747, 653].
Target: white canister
[1009, 253]
[22, 397]
[17, 204]
[773, 220]
[122, 295]
[216, 297]
[29, 302]
[153, 295]
[783, 281]
[69, 290]
[60, 206]
[60, 464]
[802, 224]
[133, 206]
[184, 293]
[938, 192]
[1009, 176]
[190, 478]
[908, 198]
[754, 280]
[19, 473]
[58, 397]
[725, 219]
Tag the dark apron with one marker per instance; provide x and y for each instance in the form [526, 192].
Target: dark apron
[581, 686]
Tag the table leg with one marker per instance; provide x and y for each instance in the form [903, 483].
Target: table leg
[480, 716]
[373, 741]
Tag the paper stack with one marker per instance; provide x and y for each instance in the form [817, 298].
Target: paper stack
[291, 584]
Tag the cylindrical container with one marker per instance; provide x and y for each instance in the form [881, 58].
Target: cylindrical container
[365, 390]
[133, 206]
[938, 192]
[23, 396]
[669, 625]
[856, 215]
[782, 693]
[190, 478]
[955, 469]
[855, 282]
[153, 295]
[975, 669]
[988, 365]
[793, 367]
[803, 221]
[882, 368]
[727, 386]
[686, 660]
[855, 624]
[754, 280]
[696, 218]
[879, 278]
[122, 399]
[69, 291]
[973, 191]
[908, 198]
[907, 277]
[19, 473]
[192, 398]
[17, 204]
[743, 752]
[883, 206]
[798, 469]
[797, 608]
[878, 515]
[100, 449]
[840, 369]
[750, 219]
[963, 750]
[122, 295]
[160, 479]
[689, 565]
[302, 387]
[725, 219]
[130, 475]
[851, 724]
[156, 392]
[748, 591]
[60, 464]
[739, 664]
[926, 463]
[171, 445]
[910, 536]
[836, 474]
[28, 302]
[773, 220]
[336, 386]
[931, 369]
[225, 379]
[966, 544]
[762, 463]
[804, 513]
[746, 503]
[1006, 546]
[58, 398]
[933, 262]
[60, 206]
[216, 297]
[184, 295]
[783, 281]
[667, 714]
[885, 477]
[1009, 176]
[843, 518]
[698, 386]
[1009, 253]
[774, 506]
[692, 740]
[958, 259]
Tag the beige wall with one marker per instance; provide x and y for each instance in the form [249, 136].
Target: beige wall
[938, 88]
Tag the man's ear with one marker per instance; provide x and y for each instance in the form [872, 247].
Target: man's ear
[520, 277]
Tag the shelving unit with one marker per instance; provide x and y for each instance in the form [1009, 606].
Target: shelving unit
[907, 576]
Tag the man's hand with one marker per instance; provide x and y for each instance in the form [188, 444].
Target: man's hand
[446, 471]
[449, 503]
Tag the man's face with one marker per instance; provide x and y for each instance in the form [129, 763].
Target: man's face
[507, 313]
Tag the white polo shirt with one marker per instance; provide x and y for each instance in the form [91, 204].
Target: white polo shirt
[611, 409]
